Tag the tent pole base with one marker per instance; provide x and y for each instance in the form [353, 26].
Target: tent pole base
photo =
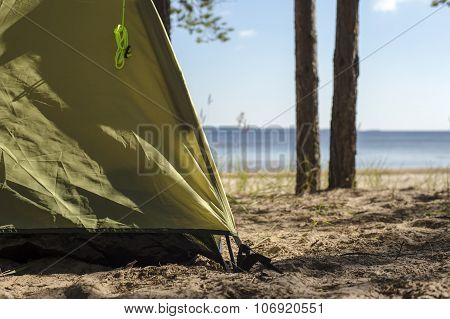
[230, 251]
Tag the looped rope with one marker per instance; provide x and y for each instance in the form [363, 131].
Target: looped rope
[121, 36]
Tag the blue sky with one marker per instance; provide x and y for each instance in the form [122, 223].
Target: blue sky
[405, 86]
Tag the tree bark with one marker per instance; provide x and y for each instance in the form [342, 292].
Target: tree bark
[163, 7]
[308, 142]
[346, 71]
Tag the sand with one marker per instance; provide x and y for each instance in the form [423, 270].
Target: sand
[386, 240]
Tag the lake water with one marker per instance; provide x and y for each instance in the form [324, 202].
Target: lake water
[273, 149]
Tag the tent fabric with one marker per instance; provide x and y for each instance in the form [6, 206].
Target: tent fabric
[86, 147]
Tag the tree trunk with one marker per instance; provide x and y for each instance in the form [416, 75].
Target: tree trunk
[346, 72]
[163, 7]
[308, 143]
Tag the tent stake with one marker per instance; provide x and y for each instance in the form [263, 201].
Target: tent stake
[230, 250]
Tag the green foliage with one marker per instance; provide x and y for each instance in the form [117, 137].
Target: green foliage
[436, 3]
[198, 18]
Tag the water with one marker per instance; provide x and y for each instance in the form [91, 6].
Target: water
[273, 149]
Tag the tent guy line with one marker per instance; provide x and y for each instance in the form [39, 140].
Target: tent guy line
[372, 53]
[93, 62]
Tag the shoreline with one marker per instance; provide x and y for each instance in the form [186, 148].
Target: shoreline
[425, 179]
[419, 170]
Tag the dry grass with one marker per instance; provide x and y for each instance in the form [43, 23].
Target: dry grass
[369, 179]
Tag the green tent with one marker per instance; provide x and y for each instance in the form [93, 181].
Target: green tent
[90, 146]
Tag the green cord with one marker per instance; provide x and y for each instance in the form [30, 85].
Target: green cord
[123, 12]
[121, 36]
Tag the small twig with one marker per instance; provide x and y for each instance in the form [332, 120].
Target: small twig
[314, 243]
[7, 273]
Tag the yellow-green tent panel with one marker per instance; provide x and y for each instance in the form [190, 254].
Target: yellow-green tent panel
[74, 130]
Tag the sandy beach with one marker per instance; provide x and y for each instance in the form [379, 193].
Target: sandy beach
[389, 238]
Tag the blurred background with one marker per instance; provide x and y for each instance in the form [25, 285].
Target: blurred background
[403, 105]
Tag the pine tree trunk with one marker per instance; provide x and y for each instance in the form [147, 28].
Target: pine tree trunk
[163, 7]
[308, 143]
[346, 72]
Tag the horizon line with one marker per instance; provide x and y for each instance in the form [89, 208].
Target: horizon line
[328, 129]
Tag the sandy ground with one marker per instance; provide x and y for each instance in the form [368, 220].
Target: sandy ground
[390, 240]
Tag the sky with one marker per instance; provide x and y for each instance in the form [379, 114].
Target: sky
[404, 83]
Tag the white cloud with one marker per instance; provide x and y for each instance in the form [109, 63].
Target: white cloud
[385, 5]
[250, 33]
[391, 5]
